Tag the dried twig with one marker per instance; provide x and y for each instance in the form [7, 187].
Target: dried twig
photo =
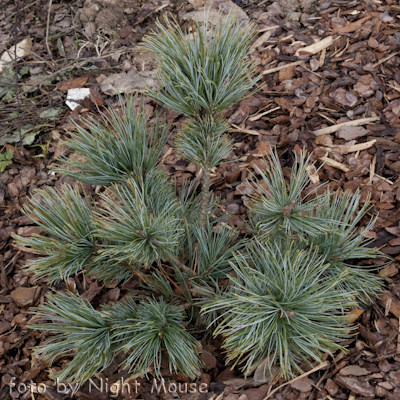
[317, 47]
[334, 128]
[69, 66]
[243, 130]
[317, 368]
[276, 69]
[47, 31]
[385, 59]
[372, 169]
[258, 116]
[334, 164]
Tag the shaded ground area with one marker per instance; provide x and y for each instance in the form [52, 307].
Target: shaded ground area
[331, 84]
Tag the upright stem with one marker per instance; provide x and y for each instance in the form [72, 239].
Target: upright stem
[179, 264]
[205, 196]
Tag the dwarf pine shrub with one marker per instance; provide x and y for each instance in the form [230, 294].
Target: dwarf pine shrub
[280, 291]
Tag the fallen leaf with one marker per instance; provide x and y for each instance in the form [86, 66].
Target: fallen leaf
[73, 83]
[50, 113]
[146, 10]
[23, 49]
[244, 188]
[353, 315]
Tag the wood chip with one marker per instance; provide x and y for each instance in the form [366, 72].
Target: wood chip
[256, 117]
[334, 128]
[243, 130]
[385, 59]
[372, 169]
[269, 28]
[398, 340]
[360, 147]
[261, 40]
[316, 47]
[334, 164]
[276, 69]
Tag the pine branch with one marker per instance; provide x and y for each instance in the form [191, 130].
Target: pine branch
[81, 331]
[139, 221]
[202, 73]
[282, 210]
[211, 251]
[205, 195]
[203, 141]
[282, 305]
[67, 218]
[144, 330]
[343, 243]
[114, 148]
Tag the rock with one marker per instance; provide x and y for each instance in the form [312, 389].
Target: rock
[331, 387]
[233, 208]
[25, 297]
[303, 384]
[214, 10]
[354, 370]
[128, 82]
[355, 385]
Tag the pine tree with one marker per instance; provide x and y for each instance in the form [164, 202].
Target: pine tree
[280, 291]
